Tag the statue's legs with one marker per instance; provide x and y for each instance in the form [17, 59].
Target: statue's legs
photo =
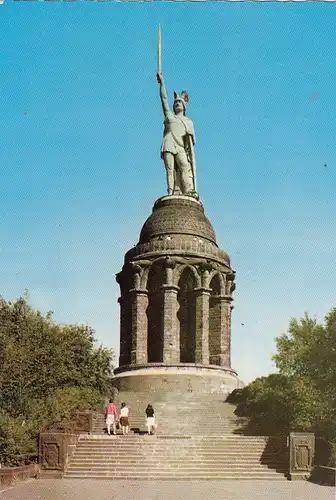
[169, 162]
[178, 181]
[185, 173]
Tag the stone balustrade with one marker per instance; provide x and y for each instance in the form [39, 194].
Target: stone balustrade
[9, 476]
[198, 248]
[56, 445]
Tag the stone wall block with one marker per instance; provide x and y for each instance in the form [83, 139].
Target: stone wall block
[302, 450]
[83, 421]
[55, 450]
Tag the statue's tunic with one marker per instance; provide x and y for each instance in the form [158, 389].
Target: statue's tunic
[175, 128]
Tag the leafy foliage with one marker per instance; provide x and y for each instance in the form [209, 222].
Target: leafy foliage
[47, 372]
[18, 444]
[302, 396]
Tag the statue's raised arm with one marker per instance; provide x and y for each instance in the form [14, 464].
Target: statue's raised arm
[163, 94]
[177, 150]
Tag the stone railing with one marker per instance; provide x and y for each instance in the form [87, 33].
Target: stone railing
[171, 366]
[58, 443]
[13, 475]
[82, 422]
[193, 247]
[55, 450]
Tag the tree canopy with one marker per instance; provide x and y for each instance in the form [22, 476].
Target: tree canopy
[47, 371]
[302, 395]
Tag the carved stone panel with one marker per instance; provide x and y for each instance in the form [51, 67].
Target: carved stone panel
[52, 452]
[302, 449]
[83, 422]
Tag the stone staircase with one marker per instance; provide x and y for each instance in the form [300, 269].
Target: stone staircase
[189, 414]
[198, 437]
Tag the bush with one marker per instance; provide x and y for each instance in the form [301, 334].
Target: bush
[47, 373]
[18, 443]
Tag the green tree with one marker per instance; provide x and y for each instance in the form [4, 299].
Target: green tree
[302, 396]
[38, 356]
[47, 372]
[307, 354]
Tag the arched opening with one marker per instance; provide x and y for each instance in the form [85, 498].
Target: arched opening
[187, 316]
[214, 320]
[156, 278]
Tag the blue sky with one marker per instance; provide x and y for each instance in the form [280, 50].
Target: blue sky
[79, 153]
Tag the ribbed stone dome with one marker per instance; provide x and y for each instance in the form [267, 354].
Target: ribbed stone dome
[177, 215]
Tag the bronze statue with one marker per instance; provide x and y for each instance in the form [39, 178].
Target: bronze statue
[177, 150]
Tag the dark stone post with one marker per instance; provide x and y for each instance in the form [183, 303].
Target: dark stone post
[55, 449]
[171, 337]
[125, 337]
[139, 326]
[202, 325]
[225, 336]
[222, 354]
[302, 450]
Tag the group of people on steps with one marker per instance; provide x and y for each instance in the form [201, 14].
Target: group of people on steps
[113, 417]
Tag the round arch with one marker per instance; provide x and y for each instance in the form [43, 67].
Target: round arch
[181, 269]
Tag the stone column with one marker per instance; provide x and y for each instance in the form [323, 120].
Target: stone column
[125, 348]
[202, 325]
[139, 300]
[171, 337]
[225, 331]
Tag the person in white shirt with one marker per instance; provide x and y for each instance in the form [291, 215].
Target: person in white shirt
[124, 418]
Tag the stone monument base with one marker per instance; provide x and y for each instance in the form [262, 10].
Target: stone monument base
[159, 377]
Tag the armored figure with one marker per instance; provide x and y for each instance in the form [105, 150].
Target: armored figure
[177, 150]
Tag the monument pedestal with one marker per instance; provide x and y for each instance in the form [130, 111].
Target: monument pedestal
[176, 293]
[160, 377]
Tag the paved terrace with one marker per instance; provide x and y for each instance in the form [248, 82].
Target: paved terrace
[66, 489]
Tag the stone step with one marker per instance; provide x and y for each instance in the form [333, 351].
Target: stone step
[174, 430]
[166, 444]
[172, 467]
[222, 413]
[216, 422]
[155, 446]
[248, 458]
[171, 440]
[165, 451]
[187, 469]
[174, 424]
[156, 451]
[131, 460]
[177, 445]
[196, 438]
[185, 446]
[246, 465]
[182, 476]
[145, 439]
[226, 477]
